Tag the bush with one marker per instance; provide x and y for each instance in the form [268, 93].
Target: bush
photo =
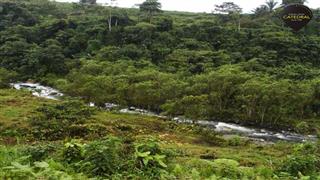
[150, 159]
[73, 152]
[247, 172]
[227, 168]
[149, 155]
[205, 168]
[302, 127]
[237, 141]
[183, 172]
[6, 77]
[304, 160]
[305, 164]
[209, 155]
[9, 154]
[57, 121]
[39, 152]
[38, 170]
[265, 172]
[104, 158]
[209, 136]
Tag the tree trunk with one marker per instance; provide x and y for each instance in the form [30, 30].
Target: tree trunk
[110, 21]
[150, 17]
[263, 115]
[109, 25]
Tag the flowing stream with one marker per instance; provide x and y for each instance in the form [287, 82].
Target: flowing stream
[224, 128]
[38, 90]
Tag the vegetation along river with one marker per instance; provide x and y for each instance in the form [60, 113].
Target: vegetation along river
[222, 127]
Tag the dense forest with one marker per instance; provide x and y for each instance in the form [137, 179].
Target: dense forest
[226, 65]
[201, 66]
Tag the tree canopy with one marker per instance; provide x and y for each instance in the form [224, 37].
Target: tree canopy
[260, 74]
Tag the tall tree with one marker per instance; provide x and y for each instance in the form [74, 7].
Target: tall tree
[150, 7]
[231, 9]
[261, 10]
[228, 8]
[271, 4]
[111, 4]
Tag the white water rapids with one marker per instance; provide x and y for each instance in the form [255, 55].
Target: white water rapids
[225, 128]
[38, 90]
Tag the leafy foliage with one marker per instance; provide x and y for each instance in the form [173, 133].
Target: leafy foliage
[179, 64]
[261, 74]
[103, 158]
[305, 161]
[150, 155]
[6, 77]
[58, 121]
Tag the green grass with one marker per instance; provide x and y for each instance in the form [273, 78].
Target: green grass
[15, 109]
[17, 105]
[183, 137]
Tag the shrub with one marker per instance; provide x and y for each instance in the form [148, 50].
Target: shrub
[6, 77]
[39, 152]
[38, 170]
[54, 122]
[209, 155]
[104, 158]
[302, 127]
[305, 164]
[9, 154]
[304, 160]
[265, 172]
[247, 172]
[209, 136]
[237, 141]
[205, 168]
[73, 152]
[150, 159]
[149, 155]
[96, 130]
[181, 172]
[227, 168]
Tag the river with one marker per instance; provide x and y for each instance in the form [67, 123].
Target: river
[222, 127]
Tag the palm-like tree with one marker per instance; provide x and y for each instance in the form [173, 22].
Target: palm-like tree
[150, 7]
[271, 4]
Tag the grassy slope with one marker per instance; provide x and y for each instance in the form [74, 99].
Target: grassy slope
[191, 143]
[16, 106]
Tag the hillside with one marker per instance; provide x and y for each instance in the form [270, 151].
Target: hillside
[262, 74]
[247, 69]
[32, 149]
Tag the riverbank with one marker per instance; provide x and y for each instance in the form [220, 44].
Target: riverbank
[221, 127]
[188, 148]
